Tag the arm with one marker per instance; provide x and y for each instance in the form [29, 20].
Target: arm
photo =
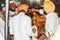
[11, 37]
[28, 27]
[11, 26]
[50, 26]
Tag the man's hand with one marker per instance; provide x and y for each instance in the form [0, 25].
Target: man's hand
[11, 37]
[50, 36]
[34, 30]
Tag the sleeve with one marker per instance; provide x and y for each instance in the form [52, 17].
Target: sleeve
[28, 27]
[1, 37]
[2, 26]
[50, 25]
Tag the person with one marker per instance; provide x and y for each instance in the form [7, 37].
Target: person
[51, 18]
[38, 21]
[22, 23]
[2, 24]
[11, 15]
[12, 6]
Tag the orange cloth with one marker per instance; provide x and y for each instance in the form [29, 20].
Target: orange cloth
[23, 7]
[49, 6]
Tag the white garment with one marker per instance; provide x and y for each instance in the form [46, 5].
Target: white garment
[11, 25]
[2, 26]
[11, 13]
[1, 37]
[10, 22]
[41, 11]
[56, 35]
[59, 20]
[34, 35]
[51, 23]
[22, 27]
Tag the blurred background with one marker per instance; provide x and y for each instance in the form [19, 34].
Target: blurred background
[40, 3]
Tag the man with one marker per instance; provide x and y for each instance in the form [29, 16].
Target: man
[11, 15]
[22, 23]
[12, 6]
[2, 24]
[51, 18]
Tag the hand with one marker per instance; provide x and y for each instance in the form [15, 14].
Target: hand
[11, 37]
[34, 30]
[34, 10]
[50, 36]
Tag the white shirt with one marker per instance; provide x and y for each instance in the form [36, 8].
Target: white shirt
[56, 35]
[59, 20]
[10, 22]
[51, 23]
[11, 13]
[22, 27]
[11, 25]
[1, 37]
[2, 26]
